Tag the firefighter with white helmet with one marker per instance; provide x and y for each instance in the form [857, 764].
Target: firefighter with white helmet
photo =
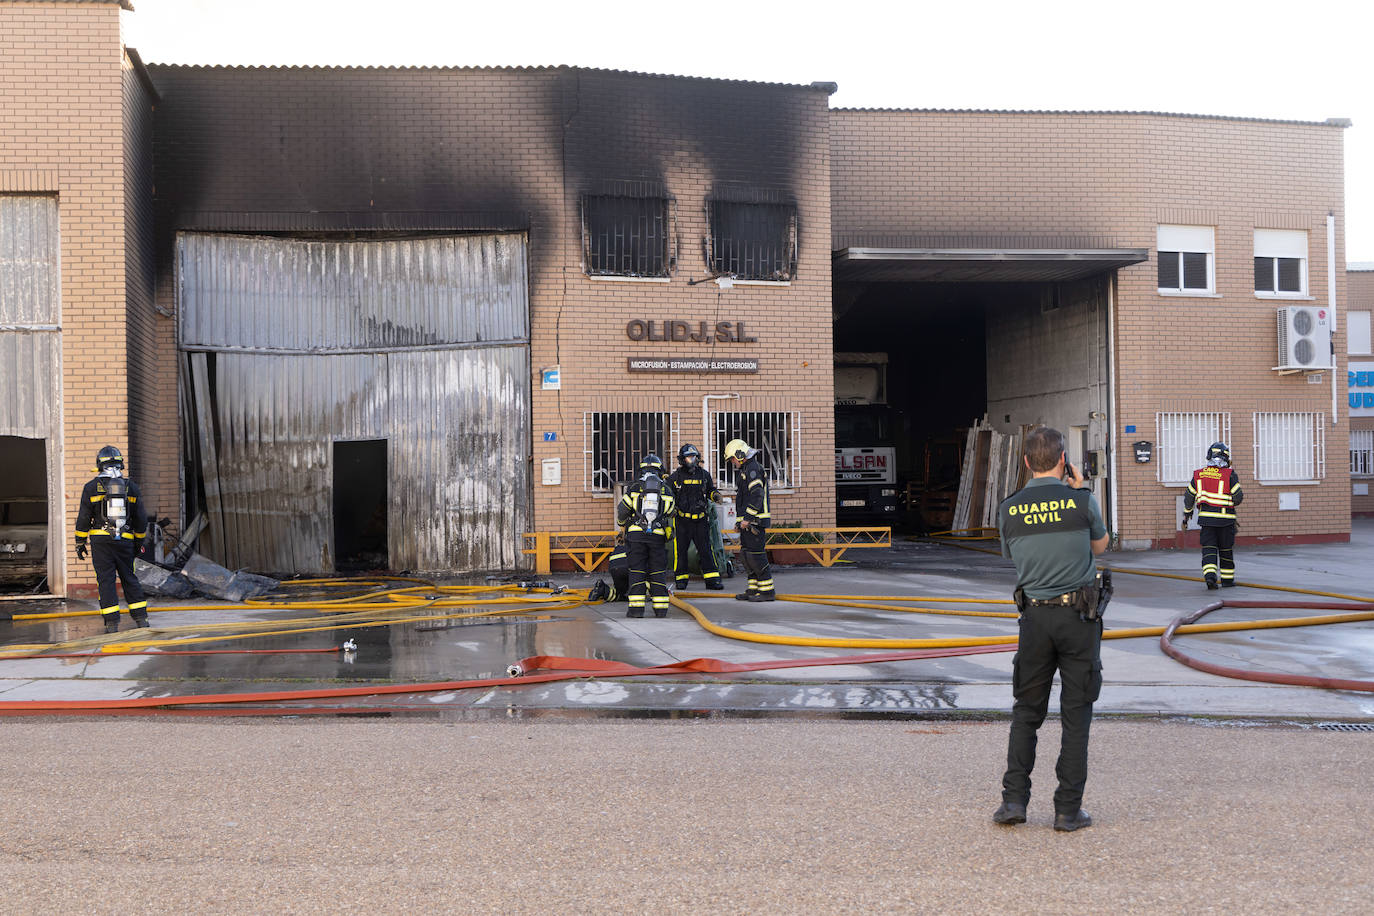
[751, 487]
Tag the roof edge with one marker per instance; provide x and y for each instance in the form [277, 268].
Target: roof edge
[827, 88]
[1329, 122]
[143, 75]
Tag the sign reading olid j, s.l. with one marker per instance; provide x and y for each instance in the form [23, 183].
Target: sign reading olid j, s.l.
[688, 331]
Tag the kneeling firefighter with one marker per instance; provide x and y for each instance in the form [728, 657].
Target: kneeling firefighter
[113, 521]
[694, 490]
[1215, 491]
[751, 487]
[646, 513]
[618, 565]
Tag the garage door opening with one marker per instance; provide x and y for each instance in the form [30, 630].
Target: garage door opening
[23, 515]
[918, 363]
[360, 505]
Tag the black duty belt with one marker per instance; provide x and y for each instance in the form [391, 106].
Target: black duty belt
[1064, 600]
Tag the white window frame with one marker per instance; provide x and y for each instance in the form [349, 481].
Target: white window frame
[598, 481]
[1181, 442]
[759, 429]
[1182, 240]
[1273, 244]
[1362, 453]
[1357, 342]
[1290, 447]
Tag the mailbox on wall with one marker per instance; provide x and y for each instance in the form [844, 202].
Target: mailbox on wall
[1143, 451]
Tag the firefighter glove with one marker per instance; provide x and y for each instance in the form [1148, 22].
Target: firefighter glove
[81, 549]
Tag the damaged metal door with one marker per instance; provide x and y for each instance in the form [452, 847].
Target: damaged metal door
[292, 345]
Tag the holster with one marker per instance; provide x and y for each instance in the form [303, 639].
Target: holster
[1019, 598]
[1095, 596]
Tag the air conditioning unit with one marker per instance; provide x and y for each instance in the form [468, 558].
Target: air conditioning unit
[1304, 337]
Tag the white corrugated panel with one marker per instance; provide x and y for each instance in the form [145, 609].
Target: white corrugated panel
[248, 292]
[30, 284]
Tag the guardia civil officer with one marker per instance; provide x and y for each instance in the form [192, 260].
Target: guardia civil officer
[645, 512]
[751, 489]
[1051, 529]
[112, 519]
[1215, 492]
[694, 489]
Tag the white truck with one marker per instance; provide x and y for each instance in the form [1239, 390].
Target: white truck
[866, 484]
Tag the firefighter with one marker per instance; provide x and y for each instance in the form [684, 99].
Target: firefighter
[645, 513]
[693, 488]
[618, 565]
[751, 487]
[1215, 492]
[112, 520]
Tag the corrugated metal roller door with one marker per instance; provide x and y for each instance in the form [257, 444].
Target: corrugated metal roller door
[295, 345]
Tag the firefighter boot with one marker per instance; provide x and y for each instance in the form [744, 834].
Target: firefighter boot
[599, 591]
[714, 585]
[768, 595]
[111, 622]
[1211, 581]
[140, 620]
[747, 595]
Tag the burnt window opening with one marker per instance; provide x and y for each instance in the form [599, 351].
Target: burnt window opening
[627, 236]
[753, 241]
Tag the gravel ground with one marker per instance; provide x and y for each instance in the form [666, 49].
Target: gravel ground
[155, 815]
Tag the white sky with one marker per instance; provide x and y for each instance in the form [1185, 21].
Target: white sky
[1255, 58]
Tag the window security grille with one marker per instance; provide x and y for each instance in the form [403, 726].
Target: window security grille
[1362, 453]
[1289, 446]
[626, 236]
[1183, 270]
[613, 444]
[1183, 439]
[753, 241]
[1278, 275]
[775, 433]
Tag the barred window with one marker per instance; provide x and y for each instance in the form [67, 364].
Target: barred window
[1183, 439]
[775, 433]
[1362, 453]
[751, 241]
[1289, 446]
[626, 236]
[613, 444]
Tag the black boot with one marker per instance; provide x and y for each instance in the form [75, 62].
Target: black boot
[1228, 583]
[635, 612]
[111, 622]
[1211, 582]
[1067, 823]
[746, 595]
[599, 592]
[141, 622]
[769, 595]
[714, 585]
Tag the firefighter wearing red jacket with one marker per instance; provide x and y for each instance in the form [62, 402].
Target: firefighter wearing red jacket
[1215, 492]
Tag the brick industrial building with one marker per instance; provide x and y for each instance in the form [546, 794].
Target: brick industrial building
[363, 316]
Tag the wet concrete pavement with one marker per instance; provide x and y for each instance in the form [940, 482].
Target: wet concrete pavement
[608, 816]
[1139, 678]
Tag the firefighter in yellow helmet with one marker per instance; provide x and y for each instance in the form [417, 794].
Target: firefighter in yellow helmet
[646, 514]
[751, 491]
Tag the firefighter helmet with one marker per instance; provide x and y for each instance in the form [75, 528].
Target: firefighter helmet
[651, 462]
[107, 457]
[688, 451]
[737, 449]
[1219, 456]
